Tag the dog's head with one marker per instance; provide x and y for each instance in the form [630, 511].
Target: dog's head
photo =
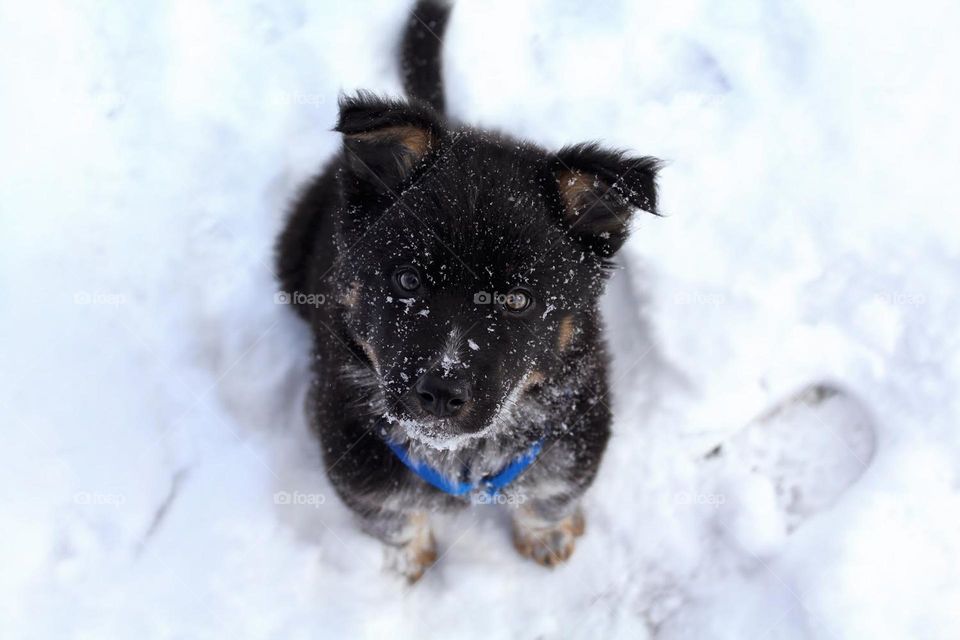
[467, 259]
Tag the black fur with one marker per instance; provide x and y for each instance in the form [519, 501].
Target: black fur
[474, 213]
[420, 52]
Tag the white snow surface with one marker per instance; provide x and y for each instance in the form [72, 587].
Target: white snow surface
[157, 477]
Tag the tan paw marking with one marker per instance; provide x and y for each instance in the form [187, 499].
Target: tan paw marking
[412, 558]
[548, 545]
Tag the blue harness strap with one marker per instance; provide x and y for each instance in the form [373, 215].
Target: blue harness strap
[428, 473]
[490, 484]
[509, 473]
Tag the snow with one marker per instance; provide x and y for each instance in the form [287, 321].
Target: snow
[158, 480]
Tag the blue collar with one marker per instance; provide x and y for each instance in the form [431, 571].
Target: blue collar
[490, 484]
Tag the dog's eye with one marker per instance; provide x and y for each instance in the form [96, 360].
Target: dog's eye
[518, 301]
[407, 279]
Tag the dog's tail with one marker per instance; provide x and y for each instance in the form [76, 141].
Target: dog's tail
[420, 51]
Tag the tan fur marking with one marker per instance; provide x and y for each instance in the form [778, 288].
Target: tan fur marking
[580, 192]
[533, 379]
[548, 545]
[423, 547]
[418, 554]
[371, 354]
[415, 140]
[352, 296]
[565, 333]
[574, 186]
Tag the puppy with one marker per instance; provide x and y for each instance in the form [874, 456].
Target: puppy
[450, 276]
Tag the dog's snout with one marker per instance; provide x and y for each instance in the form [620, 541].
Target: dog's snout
[441, 397]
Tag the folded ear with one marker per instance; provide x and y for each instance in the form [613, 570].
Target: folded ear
[384, 140]
[600, 189]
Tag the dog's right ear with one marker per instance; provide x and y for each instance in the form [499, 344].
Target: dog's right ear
[600, 189]
[384, 140]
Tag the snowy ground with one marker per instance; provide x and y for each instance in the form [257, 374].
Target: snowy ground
[151, 390]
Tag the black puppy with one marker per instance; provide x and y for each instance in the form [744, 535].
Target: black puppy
[450, 277]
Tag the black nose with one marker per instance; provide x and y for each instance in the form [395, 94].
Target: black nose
[440, 396]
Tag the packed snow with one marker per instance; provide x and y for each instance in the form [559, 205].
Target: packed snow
[158, 477]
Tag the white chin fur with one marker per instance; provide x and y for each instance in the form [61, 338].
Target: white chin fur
[444, 441]
[433, 435]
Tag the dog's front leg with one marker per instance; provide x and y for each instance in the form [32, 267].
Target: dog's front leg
[546, 532]
[410, 546]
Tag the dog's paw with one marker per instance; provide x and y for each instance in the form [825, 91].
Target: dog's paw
[548, 545]
[414, 557]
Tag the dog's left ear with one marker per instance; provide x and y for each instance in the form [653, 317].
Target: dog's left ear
[384, 140]
[600, 189]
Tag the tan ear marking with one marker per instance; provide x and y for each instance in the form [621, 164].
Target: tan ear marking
[582, 192]
[417, 141]
[574, 187]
